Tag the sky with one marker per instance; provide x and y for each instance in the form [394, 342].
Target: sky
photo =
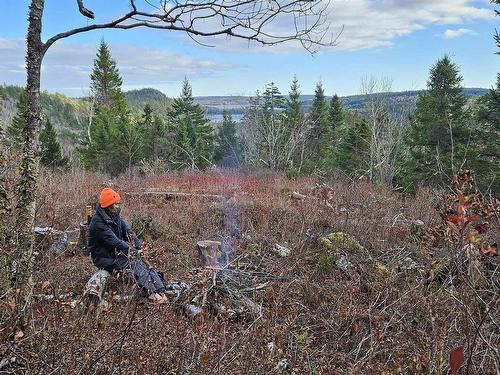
[391, 40]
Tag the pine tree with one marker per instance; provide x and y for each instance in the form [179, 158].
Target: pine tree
[294, 110]
[320, 145]
[51, 155]
[106, 81]
[14, 133]
[438, 139]
[319, 111]
[145, 129]
[272, 99]
[110, 127]
[194, 135]
[353, 151]
[336, 114]
[486, 150]
[228, 151]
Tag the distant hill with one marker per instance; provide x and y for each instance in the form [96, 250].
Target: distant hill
[69, 115]
[137, 99]
[66, 114]
[237, 104]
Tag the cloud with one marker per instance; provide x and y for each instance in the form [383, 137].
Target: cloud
[364, 24]
[67, 67]
[451, 34]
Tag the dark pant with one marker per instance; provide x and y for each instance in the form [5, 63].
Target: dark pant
[149, 281]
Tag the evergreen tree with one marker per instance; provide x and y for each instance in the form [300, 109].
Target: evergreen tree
[51, 155]
[228, 151]
[321, 135]
[486, 151]
[336, 115]
[272, 99]
[194, 141]
[145, 129]
[157, 138]
[14, 133]
[294, 110]
[296, 123]
[105, 80]
[96, 152]
[352, 154]
[438, 140]
[110, 145]
[128, 148]
[319, 110]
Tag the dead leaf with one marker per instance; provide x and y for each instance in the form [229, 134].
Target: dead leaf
[474, 238]
[18, 336]
[12, 303]
[45, 285]
[456, 359]
[490, 250]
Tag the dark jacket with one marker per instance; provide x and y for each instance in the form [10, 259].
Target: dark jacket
[108, 238]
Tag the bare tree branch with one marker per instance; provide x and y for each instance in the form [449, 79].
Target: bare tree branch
[304, 21]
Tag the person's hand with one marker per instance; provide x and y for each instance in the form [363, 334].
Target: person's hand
[134, 252]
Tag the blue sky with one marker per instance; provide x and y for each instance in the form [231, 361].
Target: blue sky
[395, 39]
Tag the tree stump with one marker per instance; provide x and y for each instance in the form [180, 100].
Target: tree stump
[209, 253]
[82, 238]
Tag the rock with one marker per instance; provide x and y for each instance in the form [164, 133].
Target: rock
[271, 346]
[282, 251]
[417, 227]
[408, 264]
[343, 263]
[193, 310]
[282, 365]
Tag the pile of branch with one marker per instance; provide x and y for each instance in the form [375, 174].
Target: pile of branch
[227, 293]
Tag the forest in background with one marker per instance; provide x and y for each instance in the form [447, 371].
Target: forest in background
[398, 139]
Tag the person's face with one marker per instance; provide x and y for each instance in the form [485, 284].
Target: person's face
[116, 208]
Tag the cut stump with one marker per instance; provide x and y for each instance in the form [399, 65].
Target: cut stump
[209, 253]
[82, 238]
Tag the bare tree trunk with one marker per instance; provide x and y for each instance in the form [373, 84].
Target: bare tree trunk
[26, 188]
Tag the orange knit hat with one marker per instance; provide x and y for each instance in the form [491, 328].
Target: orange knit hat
[108, 197]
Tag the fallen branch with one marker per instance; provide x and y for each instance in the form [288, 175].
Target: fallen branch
[170, 195]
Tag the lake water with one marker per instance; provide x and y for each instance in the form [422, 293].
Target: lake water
[218, 117]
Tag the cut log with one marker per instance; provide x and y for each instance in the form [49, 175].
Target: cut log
[209, 253]
[170, 195]
[96, 285]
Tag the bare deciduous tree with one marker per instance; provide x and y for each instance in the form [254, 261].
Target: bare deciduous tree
[272, 140]
[387, 128]
[267, 22]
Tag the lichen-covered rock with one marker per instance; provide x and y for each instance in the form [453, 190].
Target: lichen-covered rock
[342, 241]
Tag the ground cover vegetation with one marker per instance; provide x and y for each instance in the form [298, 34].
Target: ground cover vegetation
[365, 288]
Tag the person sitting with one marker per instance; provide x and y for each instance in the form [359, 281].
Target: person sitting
[113, 246]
